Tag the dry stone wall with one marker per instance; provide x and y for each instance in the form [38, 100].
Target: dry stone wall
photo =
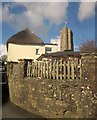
[89, 66]
[51, 98]
[55, 98]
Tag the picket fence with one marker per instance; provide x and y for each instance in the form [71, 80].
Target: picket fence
[55, 69]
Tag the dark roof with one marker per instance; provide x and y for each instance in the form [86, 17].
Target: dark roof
[25, 37]
[50, 44]
[60, 54]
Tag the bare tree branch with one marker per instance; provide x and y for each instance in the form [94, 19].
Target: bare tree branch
[88, 46]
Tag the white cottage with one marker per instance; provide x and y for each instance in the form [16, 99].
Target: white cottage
[26, 45]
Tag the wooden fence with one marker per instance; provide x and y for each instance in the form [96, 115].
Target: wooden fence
[55, 69]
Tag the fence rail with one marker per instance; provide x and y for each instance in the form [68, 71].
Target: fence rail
[55, 69]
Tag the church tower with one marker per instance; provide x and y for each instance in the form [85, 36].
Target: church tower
[66, 39]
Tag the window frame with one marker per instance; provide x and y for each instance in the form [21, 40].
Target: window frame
[37, 51]
[48, 51]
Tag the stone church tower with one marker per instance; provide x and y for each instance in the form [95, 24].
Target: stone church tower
[66, 39]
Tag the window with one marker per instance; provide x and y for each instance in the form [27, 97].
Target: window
[37, 51]
[48, 50]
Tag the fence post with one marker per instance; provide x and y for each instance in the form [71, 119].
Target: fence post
[61, 69]
[47, 69]
[44, 70]
[41, 69]
[72, 70]
[54, 70]
[64, 70]
[57, 70]
[50, 69]
[38, 64]
[36, 71]
[29, 69]
[68, 69]
[33, 68]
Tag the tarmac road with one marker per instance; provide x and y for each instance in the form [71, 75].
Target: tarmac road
[9, 110]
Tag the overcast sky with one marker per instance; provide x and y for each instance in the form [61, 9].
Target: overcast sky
[46, 19]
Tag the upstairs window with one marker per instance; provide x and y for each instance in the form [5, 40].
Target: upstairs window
[37, 51]
[48, 50]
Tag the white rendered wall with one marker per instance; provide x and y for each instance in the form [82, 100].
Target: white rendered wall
[16, 51]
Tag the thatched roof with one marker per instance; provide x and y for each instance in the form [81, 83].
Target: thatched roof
[25, 37]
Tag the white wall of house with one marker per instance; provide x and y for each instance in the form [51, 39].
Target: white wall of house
[16, 51]
[54, 48]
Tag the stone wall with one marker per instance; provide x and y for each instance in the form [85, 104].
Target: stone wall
[89, 66]
[75, 99]
[55, 98]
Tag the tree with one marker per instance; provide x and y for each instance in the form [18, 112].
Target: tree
[88, 46]
[3, 58]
